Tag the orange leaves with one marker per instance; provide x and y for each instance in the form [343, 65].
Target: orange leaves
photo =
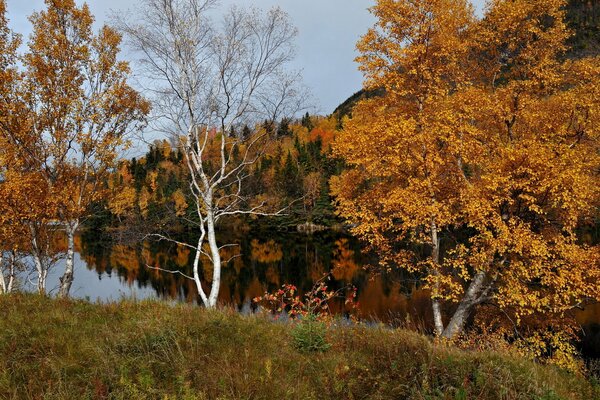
[74, 106]
[144, 201]
[325, 131]
[523, 39]
[424, 38]
[122, 202]
[485, 131]
[180, 201]
[24, 198]
[63, 120]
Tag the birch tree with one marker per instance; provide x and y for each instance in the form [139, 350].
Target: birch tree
[479, 163]
[14, 210]
[211, 78]
[8, 45]
[75, 112]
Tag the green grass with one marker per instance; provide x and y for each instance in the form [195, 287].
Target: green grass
[52, 349]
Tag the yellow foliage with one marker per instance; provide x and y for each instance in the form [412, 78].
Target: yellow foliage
[60, 134]
[268, 253]
[180, 202]
[486, 141]
[552, 347]
[123, 201]
[151, 179]
[144, 201]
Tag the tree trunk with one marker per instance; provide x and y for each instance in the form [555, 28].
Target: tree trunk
[42, 275]
[7, 282]
[11, 271]
[37, 252]
[67, 279]
[459, 318]
[435, 303]
[437, 317]
[216, 260]
[196, 271]
[2, 279]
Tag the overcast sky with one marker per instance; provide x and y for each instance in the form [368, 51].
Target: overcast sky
[328, 32]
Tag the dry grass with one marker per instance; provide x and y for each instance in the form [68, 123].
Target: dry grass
[53, 349]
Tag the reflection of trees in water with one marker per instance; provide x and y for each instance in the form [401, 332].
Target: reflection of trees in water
[268, 260]
[589, 319]
[262, 262]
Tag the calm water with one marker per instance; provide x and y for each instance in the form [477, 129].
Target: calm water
[106, 271]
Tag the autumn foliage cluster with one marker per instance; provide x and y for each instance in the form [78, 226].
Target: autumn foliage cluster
[315, 303]
[291, 171]
[65, 111]
[478, 167]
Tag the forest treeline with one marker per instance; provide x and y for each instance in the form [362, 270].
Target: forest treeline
[291, 173]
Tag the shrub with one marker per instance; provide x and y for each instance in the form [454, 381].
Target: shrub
[309, 335]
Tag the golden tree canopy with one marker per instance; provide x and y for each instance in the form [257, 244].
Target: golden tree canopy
[486, 136]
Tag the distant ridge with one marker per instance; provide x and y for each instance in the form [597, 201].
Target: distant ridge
[345, 109]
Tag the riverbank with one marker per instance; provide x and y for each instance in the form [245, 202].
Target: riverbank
[145, 350]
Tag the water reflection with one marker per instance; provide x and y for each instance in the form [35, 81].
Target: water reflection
[263, 261]
[259, 262]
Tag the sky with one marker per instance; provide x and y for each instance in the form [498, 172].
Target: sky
[327, 33]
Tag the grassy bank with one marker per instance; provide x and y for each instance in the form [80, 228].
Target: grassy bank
[75, 350]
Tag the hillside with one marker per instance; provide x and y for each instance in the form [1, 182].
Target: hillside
[345, 108]
[583, 17]
[76, 350]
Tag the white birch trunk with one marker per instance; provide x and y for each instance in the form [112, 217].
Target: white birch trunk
[437, 317]
[11, 274]
[38, 262]
[435, 303]
[213, 86]
[216, 260]
[3, 286]
[42, 274]
[197, 279]
[469, 300]
[67, 279]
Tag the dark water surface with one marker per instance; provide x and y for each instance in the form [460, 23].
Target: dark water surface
[260, 262]
[106, 271]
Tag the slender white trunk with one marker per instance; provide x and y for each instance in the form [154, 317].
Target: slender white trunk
[41, 269]
[42, 275]
[437, 317]
[67, 279]
[469, 300]
[12, 267]
[196, 271]
[435, 303]
[3, 286]
[216, 260]
[11, 279]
